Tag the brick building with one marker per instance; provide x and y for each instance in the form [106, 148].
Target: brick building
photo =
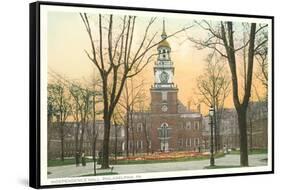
[168, 125]
[117, 139]
[257, 120]
[229, 130]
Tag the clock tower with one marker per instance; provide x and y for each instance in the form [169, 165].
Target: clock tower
[164, 92]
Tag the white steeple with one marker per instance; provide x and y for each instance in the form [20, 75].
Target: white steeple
[163, 35]
[163, 69]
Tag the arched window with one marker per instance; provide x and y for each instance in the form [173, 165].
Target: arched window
[139, 127]
[163, 130]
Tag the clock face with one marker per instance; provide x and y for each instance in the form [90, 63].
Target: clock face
[164, 108]
[164, 76]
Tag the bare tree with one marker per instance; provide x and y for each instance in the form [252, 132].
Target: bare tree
[92, 133]
[58, 104]
[81, 112]
[51, 114]
[262, 60]
[145, 120]
[118, 120]
[132, 94]
[223, 38]
[261, 75]
[213, 88]
[116, 56]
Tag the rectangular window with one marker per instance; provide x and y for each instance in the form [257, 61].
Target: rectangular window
[122, 132]
[159, 132]
[196, 142]
[187, 125]
[164, 95]
[139, 127]
[131, 144]
[197, 125]
[187, 142]
[180, 142]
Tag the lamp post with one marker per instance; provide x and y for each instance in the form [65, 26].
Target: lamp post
[211, 115]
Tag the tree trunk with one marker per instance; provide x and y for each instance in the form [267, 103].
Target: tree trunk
[251, 135]
[241, 108]
[115, 146]
[94, 148]
[82, 138]
[62, 143]
[50, 128]
[95, 164]
[215, 131]
[77, 142]
[242, 122]
[127, 133]
[106, 135]
[94, 140]
[146, 137]
[94, 130]
[61, 136]
[94, 155]
[218, 140]
[133, 134]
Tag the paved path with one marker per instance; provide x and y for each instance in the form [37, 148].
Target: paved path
[72, 170]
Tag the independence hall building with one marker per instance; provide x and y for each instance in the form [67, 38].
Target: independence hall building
[169, 125]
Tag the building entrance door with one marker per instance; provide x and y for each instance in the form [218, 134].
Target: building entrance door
[164, 136]
[164, 146]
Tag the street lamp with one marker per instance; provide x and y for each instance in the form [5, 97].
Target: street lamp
[211, 115]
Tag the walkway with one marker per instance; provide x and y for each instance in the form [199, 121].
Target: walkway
[233, 160]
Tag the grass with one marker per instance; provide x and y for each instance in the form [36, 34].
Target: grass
[221, 167]
[99, 174]
[253, 151]
[68, 161]
[121, 162]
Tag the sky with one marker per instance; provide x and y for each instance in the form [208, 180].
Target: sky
[67, 40]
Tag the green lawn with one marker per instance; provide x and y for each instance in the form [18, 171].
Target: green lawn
[67, 161]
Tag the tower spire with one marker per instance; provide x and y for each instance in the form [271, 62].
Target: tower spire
[164, 35]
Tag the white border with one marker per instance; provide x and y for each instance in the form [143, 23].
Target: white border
[43, 83]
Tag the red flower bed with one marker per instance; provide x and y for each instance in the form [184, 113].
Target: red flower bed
[164, 156]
